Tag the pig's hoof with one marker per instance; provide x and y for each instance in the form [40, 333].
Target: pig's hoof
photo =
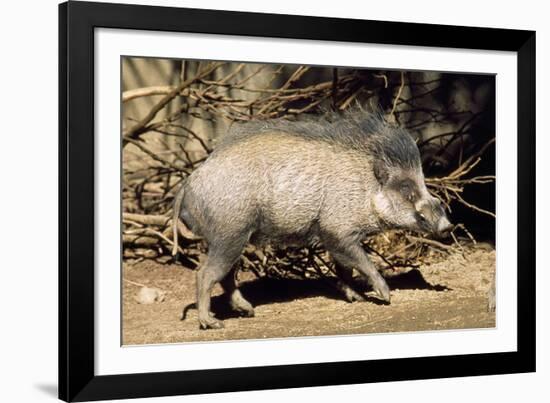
[247, 313]
[242, 309]
[352, 296]
[211, 323]
[383, 292]
[245, 310]
[241, 305]
[349, 294]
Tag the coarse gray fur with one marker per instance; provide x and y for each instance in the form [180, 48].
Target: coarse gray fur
[335, 181]
[355, 130]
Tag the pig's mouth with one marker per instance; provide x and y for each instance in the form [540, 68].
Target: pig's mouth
[439, 229]
[444, 232]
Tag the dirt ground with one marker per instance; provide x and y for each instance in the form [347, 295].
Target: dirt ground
[450, 294]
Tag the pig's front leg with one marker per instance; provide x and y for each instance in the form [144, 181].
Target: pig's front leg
[345, 284]
[349, 253]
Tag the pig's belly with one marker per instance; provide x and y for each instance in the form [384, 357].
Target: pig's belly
[284, 240]
[286, 233]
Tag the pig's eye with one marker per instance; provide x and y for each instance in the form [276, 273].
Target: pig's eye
[421, 218]
[408, 193]
[407, 190]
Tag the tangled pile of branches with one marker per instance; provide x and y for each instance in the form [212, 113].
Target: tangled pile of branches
[162, 146]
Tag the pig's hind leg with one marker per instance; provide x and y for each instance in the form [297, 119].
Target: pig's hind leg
[220, 260]
[236, 299]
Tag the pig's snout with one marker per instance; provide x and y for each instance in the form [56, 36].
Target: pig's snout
[444, 228]
[431, 219]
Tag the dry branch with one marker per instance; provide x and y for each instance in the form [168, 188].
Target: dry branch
[147, 92]
[137, 129]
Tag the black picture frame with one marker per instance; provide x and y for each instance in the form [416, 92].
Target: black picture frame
[77, 379]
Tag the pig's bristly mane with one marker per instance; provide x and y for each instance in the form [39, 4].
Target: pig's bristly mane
[360, 131]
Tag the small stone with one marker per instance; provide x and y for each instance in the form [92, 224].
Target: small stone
[148, 295]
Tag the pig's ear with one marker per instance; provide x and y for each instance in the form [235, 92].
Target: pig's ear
[381, 172]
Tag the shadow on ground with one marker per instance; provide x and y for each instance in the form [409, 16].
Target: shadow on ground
[267, 291]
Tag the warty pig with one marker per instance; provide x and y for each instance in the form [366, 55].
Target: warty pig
[332, 181]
